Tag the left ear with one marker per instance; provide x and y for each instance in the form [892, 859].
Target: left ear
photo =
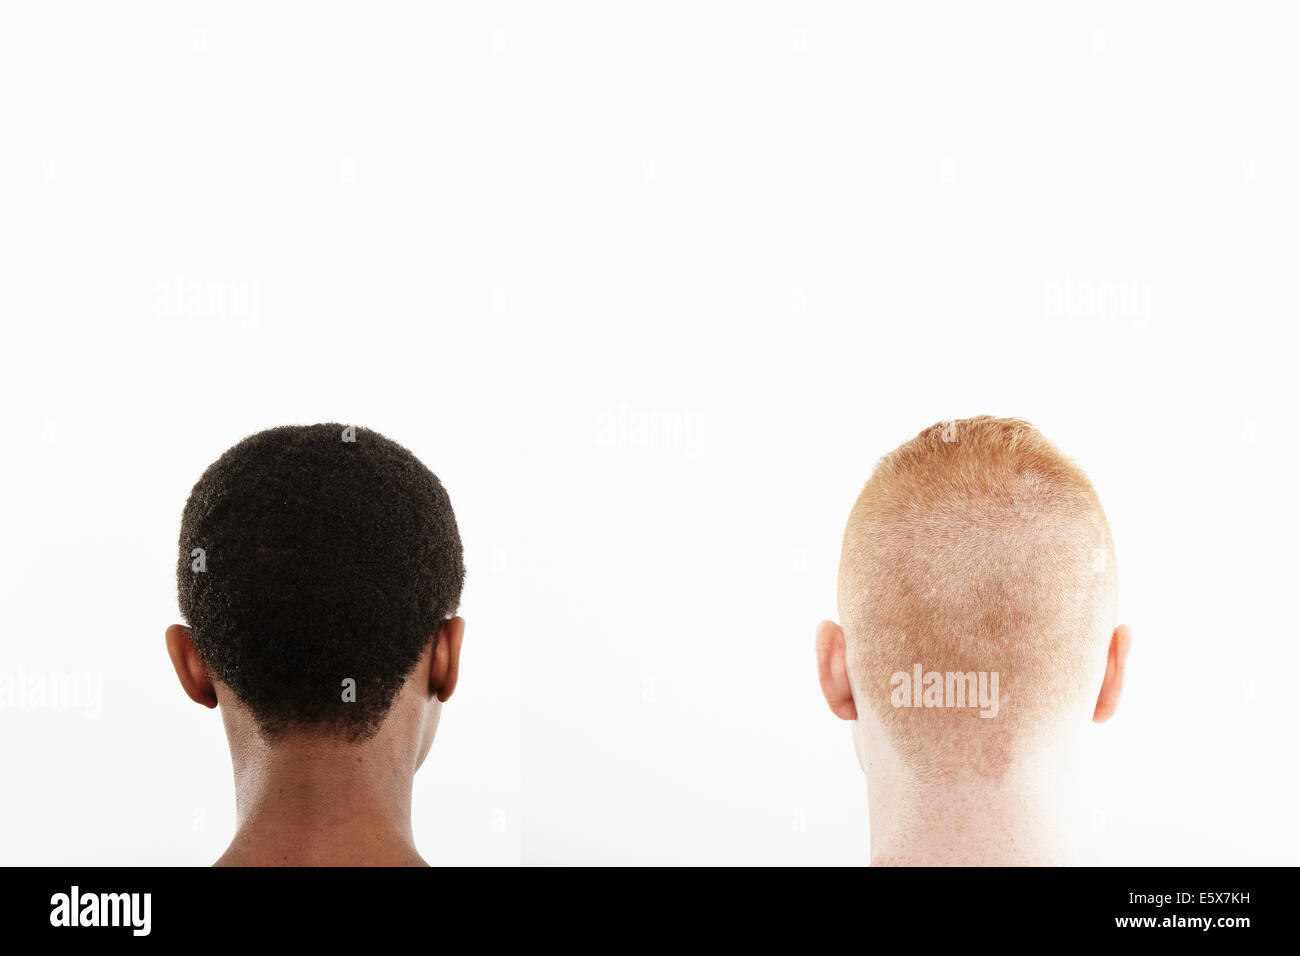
[190, 670]
[833, 671]
[445, 669]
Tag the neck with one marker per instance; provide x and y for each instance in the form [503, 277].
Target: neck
[1027, 815]
[317, 801]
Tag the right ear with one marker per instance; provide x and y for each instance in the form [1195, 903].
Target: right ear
[446, 658]
[833, 671]
[189, 666]
[1116, 658]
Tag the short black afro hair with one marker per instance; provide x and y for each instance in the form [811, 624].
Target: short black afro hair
[328, 552]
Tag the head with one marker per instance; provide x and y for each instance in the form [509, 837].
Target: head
[319, 571]
[977, 601]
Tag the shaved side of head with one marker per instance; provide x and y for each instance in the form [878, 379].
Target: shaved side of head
[976, 549]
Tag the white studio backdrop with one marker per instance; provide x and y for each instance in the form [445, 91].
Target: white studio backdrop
[650, 287]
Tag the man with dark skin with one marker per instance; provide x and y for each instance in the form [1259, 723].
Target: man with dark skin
[319, 569]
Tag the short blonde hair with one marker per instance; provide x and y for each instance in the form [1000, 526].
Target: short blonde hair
[976, 547]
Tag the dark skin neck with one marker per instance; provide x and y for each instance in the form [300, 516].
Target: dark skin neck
[312, 798]
[320, 801]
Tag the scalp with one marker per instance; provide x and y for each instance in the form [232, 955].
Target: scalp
[976, 547]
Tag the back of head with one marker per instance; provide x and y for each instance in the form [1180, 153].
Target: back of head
[977, 559]
[311, 556]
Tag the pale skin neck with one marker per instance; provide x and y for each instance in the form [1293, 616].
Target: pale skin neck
[322, 802]
[1028, 816]
[972, 794]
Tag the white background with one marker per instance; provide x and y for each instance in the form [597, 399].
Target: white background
[650, 287]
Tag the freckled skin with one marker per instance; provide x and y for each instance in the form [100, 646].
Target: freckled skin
[976, 547]
[1018, 815]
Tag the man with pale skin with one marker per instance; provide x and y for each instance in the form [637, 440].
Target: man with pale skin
[977, 643]
[319, 570]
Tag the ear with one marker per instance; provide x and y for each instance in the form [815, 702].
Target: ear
[833, 671]
[446, 658]
[1113, 682]
[189, 666]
